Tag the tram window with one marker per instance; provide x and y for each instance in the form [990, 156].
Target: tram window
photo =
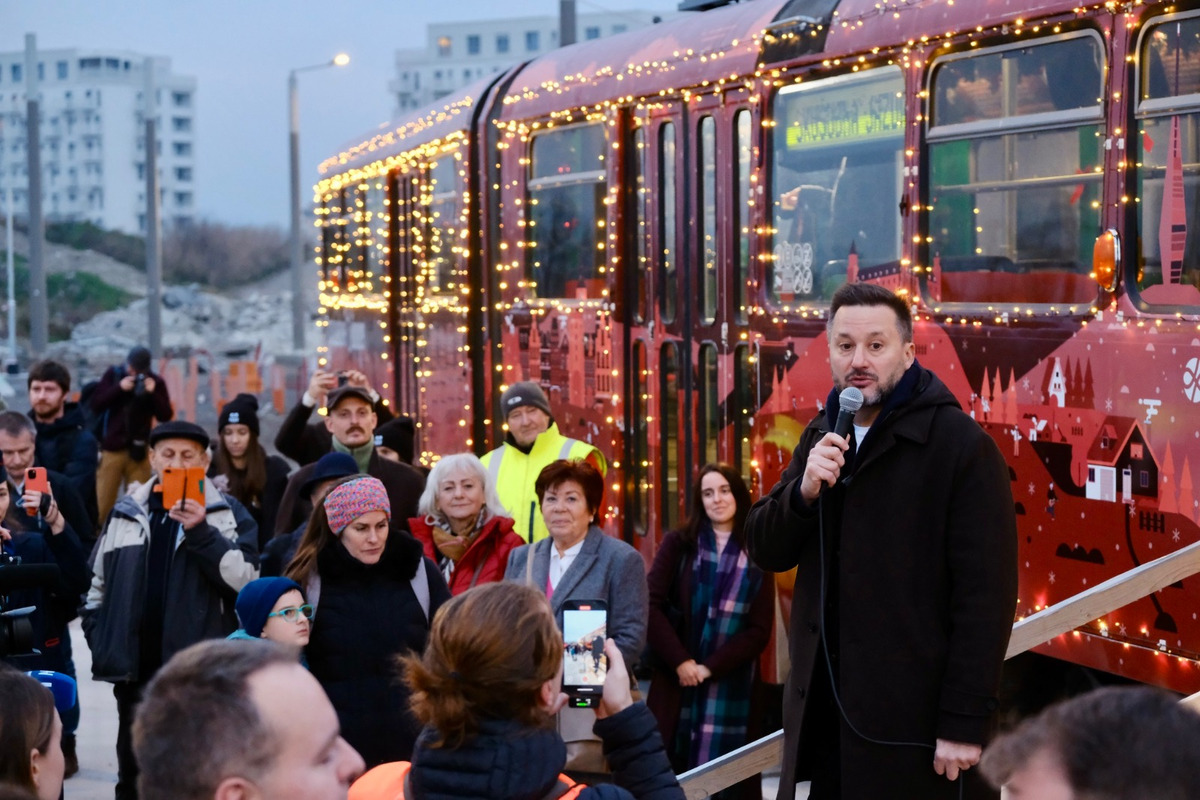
[1014, 214]
[710, 420]
[442, 248]
[667, 287]
[334, 242]
[359, 240]
[708, 230]
[743, 210]
[1168, 266]
[566, 217]
[668, 420]
[640, 250]
[839, 153]
[744, 392]
[640, 473]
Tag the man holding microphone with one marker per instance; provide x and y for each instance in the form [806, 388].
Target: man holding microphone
[902, 529]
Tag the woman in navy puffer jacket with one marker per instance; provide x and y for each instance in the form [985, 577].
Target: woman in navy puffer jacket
[485, 689]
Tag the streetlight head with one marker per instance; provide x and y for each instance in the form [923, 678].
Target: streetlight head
[341, 60]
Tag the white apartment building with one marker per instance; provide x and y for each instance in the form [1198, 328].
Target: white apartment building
[458, 53]
[92, 132]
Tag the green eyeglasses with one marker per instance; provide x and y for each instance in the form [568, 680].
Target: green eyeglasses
[293, 613]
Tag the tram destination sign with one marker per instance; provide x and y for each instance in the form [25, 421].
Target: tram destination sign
[843, 111]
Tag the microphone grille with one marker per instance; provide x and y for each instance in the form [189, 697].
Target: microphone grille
[851, 399]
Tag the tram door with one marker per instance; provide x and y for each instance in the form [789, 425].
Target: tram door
[654, 315]
[720, 245]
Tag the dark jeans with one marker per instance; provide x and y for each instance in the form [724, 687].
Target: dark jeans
[128, 695]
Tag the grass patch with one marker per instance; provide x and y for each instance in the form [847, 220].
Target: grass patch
[71, 298]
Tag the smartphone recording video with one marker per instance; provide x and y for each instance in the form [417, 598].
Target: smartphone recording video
[585, 628]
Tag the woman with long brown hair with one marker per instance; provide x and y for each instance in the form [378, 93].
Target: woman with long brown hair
[711, 613]
[241, 467]
[373, 593]
[30, 736]
[486, 690]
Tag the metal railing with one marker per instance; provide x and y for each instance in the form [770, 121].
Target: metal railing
[1103, 598]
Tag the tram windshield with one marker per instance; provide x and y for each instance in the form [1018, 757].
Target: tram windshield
[566, 216]
[443, 247]
[837, 181]
[1168, 160]
[1015, 156]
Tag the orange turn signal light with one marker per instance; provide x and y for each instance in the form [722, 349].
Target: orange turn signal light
[1106, 254]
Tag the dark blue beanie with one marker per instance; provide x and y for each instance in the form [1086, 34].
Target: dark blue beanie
[257, 598]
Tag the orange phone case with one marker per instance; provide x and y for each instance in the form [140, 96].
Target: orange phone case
[36, 480]
[180, 482]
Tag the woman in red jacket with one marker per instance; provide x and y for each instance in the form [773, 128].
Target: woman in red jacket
[463, 526]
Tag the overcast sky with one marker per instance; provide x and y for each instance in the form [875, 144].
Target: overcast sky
[240, 52]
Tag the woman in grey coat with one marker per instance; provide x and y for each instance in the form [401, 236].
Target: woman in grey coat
[578, 562]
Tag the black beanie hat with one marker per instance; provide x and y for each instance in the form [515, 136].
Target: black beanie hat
[397, 434]
[241, 410]
[525, 393]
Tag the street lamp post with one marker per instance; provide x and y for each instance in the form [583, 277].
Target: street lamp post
[297, 244]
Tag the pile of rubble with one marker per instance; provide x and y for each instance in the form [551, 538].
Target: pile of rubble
[193, 321]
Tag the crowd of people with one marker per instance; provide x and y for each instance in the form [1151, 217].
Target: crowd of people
[357, 624]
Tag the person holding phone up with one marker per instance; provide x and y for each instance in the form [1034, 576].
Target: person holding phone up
[578, 562]
[165, 577]
[484, 689]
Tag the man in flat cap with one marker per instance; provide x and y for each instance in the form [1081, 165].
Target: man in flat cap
[164, 579]
[532, 443]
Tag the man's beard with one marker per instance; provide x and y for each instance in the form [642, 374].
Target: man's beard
[877, 396]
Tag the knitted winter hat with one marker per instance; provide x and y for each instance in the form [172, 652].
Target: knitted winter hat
[257, 598]
[398, 435]
[348, 501]
[525, 393]
[241, 410]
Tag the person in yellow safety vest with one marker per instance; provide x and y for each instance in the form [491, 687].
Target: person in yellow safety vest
[533, 441]
[484, 689]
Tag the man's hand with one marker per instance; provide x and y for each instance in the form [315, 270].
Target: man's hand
[47, 506]
[127, 383]
[616, 697]
[356, 378]
[951, 758]
[188, 512]
[320, 384]
[150, 384]
[825, 462]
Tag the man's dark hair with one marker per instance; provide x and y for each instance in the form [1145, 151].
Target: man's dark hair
[49, 371]
[14, 423]
[1115, 743]
[198, 724]
[870, 294]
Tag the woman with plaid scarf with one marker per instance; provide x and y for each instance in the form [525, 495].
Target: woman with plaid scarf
[711, 614]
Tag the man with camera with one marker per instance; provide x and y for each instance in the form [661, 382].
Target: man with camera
[129, 398]
[304, 443]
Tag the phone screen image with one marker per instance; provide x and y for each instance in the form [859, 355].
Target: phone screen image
[585, 666]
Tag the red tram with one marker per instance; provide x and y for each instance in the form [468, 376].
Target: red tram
[651, 226]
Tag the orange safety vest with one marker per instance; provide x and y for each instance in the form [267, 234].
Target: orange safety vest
[389, 782]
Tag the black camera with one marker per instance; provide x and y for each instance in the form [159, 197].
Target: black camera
[139, 385]
[16, 625]
[342, 378]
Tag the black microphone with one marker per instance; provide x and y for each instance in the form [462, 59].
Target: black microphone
[849, 402]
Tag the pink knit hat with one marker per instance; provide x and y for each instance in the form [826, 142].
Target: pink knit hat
[349, 501]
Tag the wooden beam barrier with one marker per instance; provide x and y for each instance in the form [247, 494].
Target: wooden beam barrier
[1103, 598]
[1063, 617]
[721, 773]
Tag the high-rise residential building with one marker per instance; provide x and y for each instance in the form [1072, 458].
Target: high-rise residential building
[458, 53]
[92, 131]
